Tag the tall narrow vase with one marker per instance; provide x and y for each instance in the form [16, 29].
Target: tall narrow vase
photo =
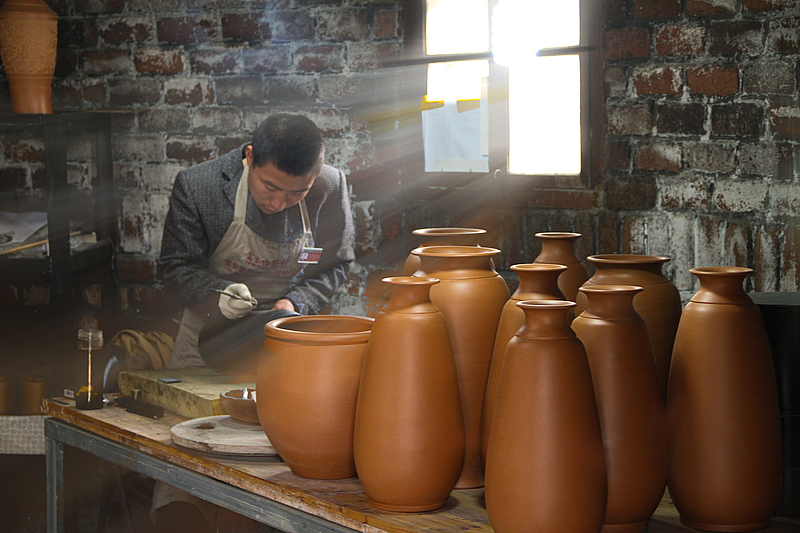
[471, 296]
[659, 304]
[536, 282]
[442, 237]
[28, 40]
[409, 434]
[632, 415]
[559, 248]
[722, 407]
[545, 469]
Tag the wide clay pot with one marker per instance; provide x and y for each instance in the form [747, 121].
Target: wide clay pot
[442, 237]
[307, 389]
[722, 408]
[409, 434]
[536, 282]
[559, 248]
[633, 419]
[28, 40]
[545, 468]
[659, 304]
[471, 296]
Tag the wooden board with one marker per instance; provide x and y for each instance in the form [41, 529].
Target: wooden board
[222, 435]
[196, 396]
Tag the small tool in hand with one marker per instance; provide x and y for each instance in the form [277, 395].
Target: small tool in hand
[234, 296]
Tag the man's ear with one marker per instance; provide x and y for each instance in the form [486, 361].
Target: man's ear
[248, 154]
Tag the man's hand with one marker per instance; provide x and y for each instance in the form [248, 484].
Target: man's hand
[233, 308]
[284, 304]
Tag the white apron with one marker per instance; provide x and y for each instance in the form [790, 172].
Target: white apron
[267, 268]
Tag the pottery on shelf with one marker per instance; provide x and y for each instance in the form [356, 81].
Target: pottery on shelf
[633, 419]
[471, 296]
[442, 237]
[559, 247]
[409, 433]
[659, 303]
[307, 388]
[545, 467]
[537, 281]
[28, 40]
[722, 408]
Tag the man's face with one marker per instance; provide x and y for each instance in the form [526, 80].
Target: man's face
[273, 189]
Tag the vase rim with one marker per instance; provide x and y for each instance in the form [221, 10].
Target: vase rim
[411, 280]
[428, 232]
[614, 259]
[527, 267]
[611, 288]
[546, 304]
[355, 329]
[455, 251]
[557, 235]
[722, 271]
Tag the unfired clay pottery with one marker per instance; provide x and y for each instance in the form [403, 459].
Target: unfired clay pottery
[545, 469]
[536, 282]
[471, 296]
[307, 387]
[5, 400]
[632, 415]
[659, 304]
[559, 248]
[722, 407]
[409, 434]
[240, 404]
[28, 39]
[32, 395]
[442, 237]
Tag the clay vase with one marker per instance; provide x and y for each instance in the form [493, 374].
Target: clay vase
[307, 388]
[32, 395]
[545, 468]
[659, 304]
[409, 433]
[536, 282]
[633, 419]
[559, 248]
[442, 237]
[722, 409]
[28, 40]
[471, 296]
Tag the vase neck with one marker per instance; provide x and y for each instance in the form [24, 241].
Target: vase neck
[538, 281]
[546, 319]
[721, 285]
[455, 261]
[610, 301]
[557, 248]
[410, 294]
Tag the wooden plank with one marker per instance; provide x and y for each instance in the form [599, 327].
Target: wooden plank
[342, 502]
[196, 396]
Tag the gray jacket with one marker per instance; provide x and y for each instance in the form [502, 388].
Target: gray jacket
[201, 209]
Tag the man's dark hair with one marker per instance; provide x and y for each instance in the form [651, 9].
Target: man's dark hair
[291, 142]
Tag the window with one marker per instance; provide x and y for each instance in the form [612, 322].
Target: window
[529, 55]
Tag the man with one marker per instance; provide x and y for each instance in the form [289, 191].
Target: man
[261, 232]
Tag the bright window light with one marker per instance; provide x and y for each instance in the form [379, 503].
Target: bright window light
[457, 26]
[462, 80]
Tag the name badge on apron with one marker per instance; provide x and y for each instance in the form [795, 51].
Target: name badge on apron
[309, 255]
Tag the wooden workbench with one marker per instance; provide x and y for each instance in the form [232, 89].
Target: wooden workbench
[261, 489]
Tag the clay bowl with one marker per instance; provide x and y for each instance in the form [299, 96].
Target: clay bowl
[241, 409]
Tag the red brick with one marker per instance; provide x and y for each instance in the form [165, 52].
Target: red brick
[193, 91]
[713, 80]
[36, 295]
[627, 43]
[12, 178]
[186, 30]
[195, 150]
[683, 192]
[245, 27]
[97, 7]
[767, 259]
[342, 24]
[759, 6]
[790, 273]
[743, 37]
[657, 155]
[38, 178]
[9, 296]
[278, 58]
[80, 92]
[294, 89]
[126, 177]
[159, 62]
[615, 80]
[125, 31]
[76, 33]
[710, 156]
[23, 150]
[107, 62]
[369, 55]
[608, 233]
[785, 119]
[615, 10]
[737, 119]
[783, 36]
[656, 9]
[320, 58]
[292, 25]
[618, 154]
[705, 8]
[683, 39]
[737, 244]
[216, 120]
[769, 77]
[164, 119]
[557, 199]
[629, 120]
[146, 294]
[681, 119]
[128, 91]
[87, 321]
[639, 192]
[213, 61]
[92, 296]
[240, 90]
[657, 80]
[386, 24]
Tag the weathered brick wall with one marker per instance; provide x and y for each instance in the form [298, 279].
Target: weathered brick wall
[702, 125]
[190, 80]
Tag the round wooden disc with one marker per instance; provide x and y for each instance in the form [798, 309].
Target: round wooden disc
[223, 435]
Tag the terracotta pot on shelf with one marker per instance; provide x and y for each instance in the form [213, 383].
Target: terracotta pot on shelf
[632, 415]
[307, 388]
[559, 248]
[409, 433]
[28, 41]
[442, 237]
[471, 296]
[537, 281]
[545, 468]
[659, 303]
[722, 408]
[33, 391]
